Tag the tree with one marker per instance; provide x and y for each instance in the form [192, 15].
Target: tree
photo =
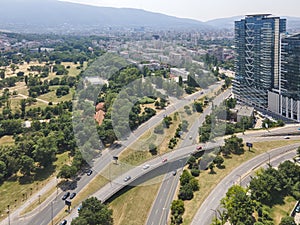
[238, 205]
[191, 161]
[186, 192]
[3, 170]
[185, 177]
[233, 145]
[266, 186]
[45, 150]
[2, 74]
[218, 161]
[152, 149]
[288, 220]
[26, 165]
[23, 107]
[198, 106]
[93, 212]
[211, 167]
[177, 207]
[180, 82]
[67, 172]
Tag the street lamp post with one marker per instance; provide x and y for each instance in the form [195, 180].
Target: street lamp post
[269, 158]
[240, 179]
[8, 214]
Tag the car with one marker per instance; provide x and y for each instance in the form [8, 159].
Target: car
[165, 160]
[72, 195]
[297, 210]
[127, 178]
[190, 137]
[174, 172]
[89, 172]
[79, 208]
[66, 195]
[286, 137]
[146, 166]
[199, 147]
[64, 222]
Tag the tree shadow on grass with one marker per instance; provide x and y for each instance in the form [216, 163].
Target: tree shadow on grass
[26, 179]
[221, 167]
[44, 173]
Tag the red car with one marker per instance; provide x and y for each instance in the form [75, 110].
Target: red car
[199, 147]
[165, 160]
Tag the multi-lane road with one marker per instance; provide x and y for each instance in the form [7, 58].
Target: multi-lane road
[241, 175]
[161, 206]
[53, 205]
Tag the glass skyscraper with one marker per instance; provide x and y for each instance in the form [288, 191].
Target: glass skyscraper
[257, 65]
[290, 77]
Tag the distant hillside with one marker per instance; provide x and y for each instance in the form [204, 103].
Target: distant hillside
[52, 15]
[293, 23]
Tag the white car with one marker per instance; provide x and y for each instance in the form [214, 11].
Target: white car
[146, 166]
[127, 178]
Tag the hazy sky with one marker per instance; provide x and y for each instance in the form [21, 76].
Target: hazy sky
[206, 9]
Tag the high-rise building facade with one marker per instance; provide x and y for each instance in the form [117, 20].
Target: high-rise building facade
[257, 65]
[289, 101]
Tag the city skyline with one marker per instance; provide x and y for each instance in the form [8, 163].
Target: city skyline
[204, 11]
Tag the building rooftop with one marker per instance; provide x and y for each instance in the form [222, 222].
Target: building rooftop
[259, 15]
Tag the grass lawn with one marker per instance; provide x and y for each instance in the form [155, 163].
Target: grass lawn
[138, 152]
[7, 140]
[13, 193]
[51, 96]
[279, 211]
[207, 181]
[133, 206]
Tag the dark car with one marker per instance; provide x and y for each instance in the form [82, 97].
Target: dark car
[72, 195]
[89, 173]
[66, 195]
[64, 222]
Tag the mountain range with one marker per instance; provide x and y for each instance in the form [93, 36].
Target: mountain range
[40, 16]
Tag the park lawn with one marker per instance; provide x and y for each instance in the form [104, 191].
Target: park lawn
[138, 152]
[62, 159]
[7, 140]
[51, 96]
[73, 71]
[13, 193]
[279, 211]
[208, 182]
[133, 206]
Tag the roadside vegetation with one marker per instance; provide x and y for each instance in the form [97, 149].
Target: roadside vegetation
[215, 166]
[268, 189]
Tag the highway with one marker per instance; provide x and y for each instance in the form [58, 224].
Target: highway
[53, 205]
[241, 174]
[161, 206]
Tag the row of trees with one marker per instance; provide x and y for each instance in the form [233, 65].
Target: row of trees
[188, 185]
[268, 188]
